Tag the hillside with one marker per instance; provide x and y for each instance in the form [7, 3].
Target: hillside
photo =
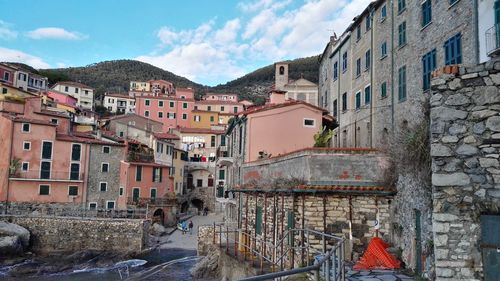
[255, 85]
[115, 76]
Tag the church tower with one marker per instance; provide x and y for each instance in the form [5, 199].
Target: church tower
[281, 75]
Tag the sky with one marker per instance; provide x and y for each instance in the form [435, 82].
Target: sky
[207, 41]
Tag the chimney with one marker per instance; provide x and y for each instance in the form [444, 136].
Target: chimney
[277, 97]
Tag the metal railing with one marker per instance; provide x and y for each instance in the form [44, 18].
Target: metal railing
[143, 201]
[71, 211]
[48, 175]
[493, 39]
[296, 251]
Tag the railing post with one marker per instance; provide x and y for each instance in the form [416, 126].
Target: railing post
[342, 257]
[214, 233]
[334, 264]
[227, 239]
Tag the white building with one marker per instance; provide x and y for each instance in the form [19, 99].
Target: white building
[83, 93]
[117, 103]
[488, 29]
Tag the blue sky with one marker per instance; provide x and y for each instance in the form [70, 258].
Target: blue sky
[207, 41]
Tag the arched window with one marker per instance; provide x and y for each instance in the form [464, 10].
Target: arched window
[282, 70]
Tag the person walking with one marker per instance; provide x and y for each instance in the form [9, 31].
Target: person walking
[191, 227]
[184, 227]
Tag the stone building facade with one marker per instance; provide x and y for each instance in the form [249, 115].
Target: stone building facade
[465, 121]
[104, 175]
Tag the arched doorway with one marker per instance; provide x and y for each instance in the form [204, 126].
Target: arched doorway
[210, 180]
[190, 181]
[184, 207]
[198, 204]
[159, 216]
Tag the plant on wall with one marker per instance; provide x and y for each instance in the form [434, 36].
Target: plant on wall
[15, 164]
[323, 137]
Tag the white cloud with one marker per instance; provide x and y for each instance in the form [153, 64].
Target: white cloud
[10, 55]
[267, 32]
[5, 32]
[55, 33]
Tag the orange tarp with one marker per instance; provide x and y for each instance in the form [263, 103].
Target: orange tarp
[376, 257]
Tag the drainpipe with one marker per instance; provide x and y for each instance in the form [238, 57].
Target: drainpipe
[338, 93]
[476, 31]
[392, 66]
[8, 169]
[86, 177]
[372, 52]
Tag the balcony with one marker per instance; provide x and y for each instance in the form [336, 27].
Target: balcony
[140, 157]
[145, 201]
[493, 41]
[47, 175]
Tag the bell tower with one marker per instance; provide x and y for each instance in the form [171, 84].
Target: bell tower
[281, 75]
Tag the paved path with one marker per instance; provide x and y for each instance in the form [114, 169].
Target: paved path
[188, 241]
[376, 275]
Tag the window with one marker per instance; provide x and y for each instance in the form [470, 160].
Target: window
[103, 186]
[197, 118]
[184, 116]
[76, 90]
[110, 205]
[383, 50]
[26, 127]
[92, 205]
[76, 152]
[44, 189]
[74, 171]
[121, 134]
[160, 114]
[45, 170]
[235, 109]
[157, 173]
[453, 2]
[222, 109]
[383, 12]
[120, 192]
[47, 150]
[26, 145]
[335, 108]
[368, 22]
[368, 59]
[171, 115]
[358, 67]
[358, 100]
[426, 12]
[383, 90]
[258, 220]
[172, 104]
[147, 102]
[160, 103]
[152, 193]
[401, 5]
[184, 105]
[402, 34]
[428, 65]
[54, 121]
[308, 122]
[138, 173]
[402, 83]
[73, 190]
[146, 113]
[212, 119]
[104, 167]
[368, 95]
[66, 88]
[195, 107]
[335, 70]
[6, 76]
[212, 141]
[344, 62]
[199, 183]
[358, 32]
[209, 108]
[344, 102]
[25, 166]
[106, 149]
[222, 174]
[222, 140]
[453, 50]
[4, 90]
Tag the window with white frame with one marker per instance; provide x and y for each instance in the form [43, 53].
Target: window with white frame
[106, 149]
[25, 166]
[92, 205]
[309, 122]
[26, 127]
[110, 205]
[26, 145]
[104, 167]
[103, 186]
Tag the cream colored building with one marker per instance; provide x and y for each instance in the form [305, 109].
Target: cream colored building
[83, 93]
[301, 89]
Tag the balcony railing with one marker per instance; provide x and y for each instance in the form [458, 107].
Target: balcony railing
[140, 157]
[493, 40]
[47, 175]
[144, 201]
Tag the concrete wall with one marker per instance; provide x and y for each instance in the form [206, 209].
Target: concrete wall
[465, 120]
[76, 234]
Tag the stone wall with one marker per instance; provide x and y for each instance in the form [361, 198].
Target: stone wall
[465, 149]
[205, 239]
[77, 234]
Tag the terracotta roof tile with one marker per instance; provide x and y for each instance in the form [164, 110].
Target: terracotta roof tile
[200, 131]
[166, 136]
[73, 83]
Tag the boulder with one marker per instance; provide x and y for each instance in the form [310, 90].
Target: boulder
[208, 267]
[158, 230]
[11, 229]
[10, 246]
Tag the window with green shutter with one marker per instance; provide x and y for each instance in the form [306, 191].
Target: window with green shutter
[258, 220]
[383, 90]
[426, 12]
[402, 83]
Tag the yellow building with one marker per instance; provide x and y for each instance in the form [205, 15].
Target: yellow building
[9, 92]
[203, 119]
[140, 86]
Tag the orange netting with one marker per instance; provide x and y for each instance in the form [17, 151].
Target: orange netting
[377, 257]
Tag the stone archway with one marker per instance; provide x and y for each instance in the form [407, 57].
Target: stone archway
[198, 204]
[159, 216]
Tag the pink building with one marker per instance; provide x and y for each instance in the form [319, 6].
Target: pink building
[62, 98]
[171, 111]
[161, 87]
[184, 93]
[7, 74]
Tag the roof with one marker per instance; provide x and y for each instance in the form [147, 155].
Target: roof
[166, 136]
[118, 95]
[164, 98]
[152, 164]
[53, 113]
[200, 131]
[72, 83]
[61, 93]
[266, 107]
[206, 111]
[18, 89]
[85, 138]
[301, 82]
[133, 115]
[159, 81]
[33, 121]
[219, 94]
[8, 66]
[223, 102]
